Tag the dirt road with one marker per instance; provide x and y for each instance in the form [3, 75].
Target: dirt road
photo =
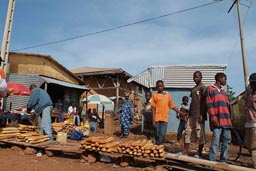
[14, 159]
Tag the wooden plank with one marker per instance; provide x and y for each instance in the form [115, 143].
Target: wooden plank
[217, 165]
[108, 122]
[71, 149]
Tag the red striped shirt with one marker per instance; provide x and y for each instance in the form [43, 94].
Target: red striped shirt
[218, 107]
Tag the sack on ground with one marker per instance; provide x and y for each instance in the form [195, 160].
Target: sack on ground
[76, 135]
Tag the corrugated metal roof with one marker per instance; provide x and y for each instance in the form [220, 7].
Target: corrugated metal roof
[177, 76]
[98, 71]
[149, 76]
[63, 83]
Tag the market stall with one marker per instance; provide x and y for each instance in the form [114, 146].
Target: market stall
[15, 117]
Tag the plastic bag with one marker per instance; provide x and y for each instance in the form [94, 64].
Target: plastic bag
[3, 88]
[76, 135]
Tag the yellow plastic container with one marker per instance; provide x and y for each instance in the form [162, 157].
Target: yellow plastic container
[87, 125]
[70, 120]
[82, 124]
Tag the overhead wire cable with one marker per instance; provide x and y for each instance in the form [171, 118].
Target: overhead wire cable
[118, 27]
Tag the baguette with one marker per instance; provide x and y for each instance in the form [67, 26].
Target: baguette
[35, 138]
[147, 146]
[111, 144]
[159, 147]
[9, 129]
[27, 135]
[8, 136]
[161, 155]
[110, 139]
[112, 149]
[38, 141]
[144, 142]
[161, 150]
[87, 147]
[128, 144]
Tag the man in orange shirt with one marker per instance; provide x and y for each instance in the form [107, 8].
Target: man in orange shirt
[161, 103]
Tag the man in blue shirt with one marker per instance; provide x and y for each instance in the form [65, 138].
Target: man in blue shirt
[41, 102]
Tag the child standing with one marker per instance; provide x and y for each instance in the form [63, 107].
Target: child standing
[146, 118]
[218, 108]
[183, 119]
[195, 130]
[94, 117]
[161, 104]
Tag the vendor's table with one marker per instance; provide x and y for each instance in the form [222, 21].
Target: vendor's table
[14, 117]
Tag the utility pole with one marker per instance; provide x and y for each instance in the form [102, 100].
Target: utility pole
[245, 67]
[7, 39]
[7, 36]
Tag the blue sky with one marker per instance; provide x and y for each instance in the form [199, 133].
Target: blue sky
[207, 35]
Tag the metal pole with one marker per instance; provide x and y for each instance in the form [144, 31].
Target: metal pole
[245, 67]
[117, 94]
[6, 39]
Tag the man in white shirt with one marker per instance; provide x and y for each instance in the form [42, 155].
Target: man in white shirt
[72, 111]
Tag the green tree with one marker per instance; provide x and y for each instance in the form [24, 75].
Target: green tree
[230, 93]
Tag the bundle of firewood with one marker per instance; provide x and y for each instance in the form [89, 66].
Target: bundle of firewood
[26, 128]
[8, 132]
[104, 144]
[141, 148]
[32, 138]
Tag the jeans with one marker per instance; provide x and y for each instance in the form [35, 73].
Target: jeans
[250, 139]
[182, 127]
[60, 117]
[93, 126]
[161, 128]
[76, 117]
[226, 138]
[46, 122]
[142, 122]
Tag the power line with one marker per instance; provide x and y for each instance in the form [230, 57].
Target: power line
[119, 27]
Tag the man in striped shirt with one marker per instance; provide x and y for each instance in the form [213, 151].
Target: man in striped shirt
[218, 108]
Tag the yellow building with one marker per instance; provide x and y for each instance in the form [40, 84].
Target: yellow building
[45, 72]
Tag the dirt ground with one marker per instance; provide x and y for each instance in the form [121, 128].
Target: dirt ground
[15, 159]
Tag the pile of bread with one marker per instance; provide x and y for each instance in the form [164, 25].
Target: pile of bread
[23, 133]
[142, 148]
